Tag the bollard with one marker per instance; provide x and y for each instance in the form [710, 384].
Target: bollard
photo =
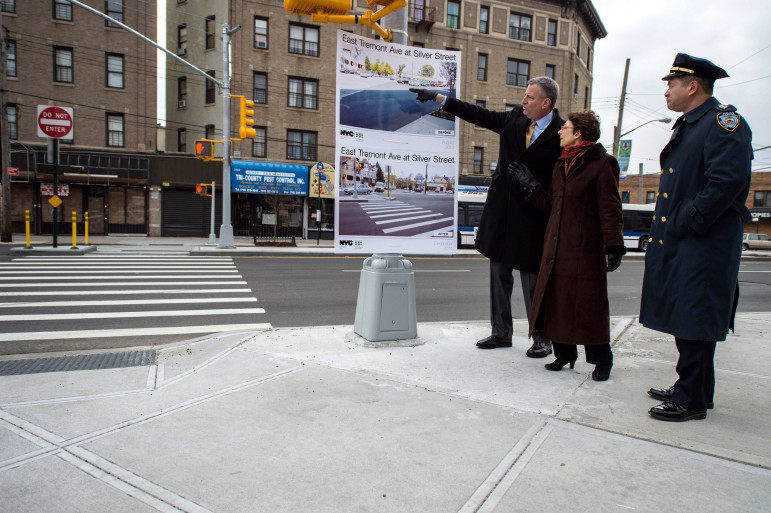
[26, 226]
[74, 230]
[85, 220]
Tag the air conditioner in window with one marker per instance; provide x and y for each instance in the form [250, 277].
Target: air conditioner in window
[262, 44]
[182, 104]
[181, 51]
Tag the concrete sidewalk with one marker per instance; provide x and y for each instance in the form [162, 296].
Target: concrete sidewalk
[313, 419]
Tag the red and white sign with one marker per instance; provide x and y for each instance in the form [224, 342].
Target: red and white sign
[54, 122]
[13, 171]
[47, 189]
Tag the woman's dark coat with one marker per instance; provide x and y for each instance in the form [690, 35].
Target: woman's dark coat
[511, 230]
[690, 288]
[585, 222]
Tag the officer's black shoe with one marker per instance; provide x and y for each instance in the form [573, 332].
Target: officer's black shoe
[663, 394]
[673, 412]
[539, 349]
[493, 342]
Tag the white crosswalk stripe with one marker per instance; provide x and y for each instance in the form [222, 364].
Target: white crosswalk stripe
[396, 216]
[97, 296]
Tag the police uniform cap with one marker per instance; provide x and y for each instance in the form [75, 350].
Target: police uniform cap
[684, 65]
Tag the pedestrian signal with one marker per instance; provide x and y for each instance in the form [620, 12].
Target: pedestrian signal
[202, 189]
[204, 150]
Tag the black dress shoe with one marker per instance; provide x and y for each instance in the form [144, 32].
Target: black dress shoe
[601, 371]
[493, 342]
[539, 350]
[673, 412]
[663, 394]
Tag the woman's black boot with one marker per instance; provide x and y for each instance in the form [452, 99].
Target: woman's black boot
[602, 371]
[557, 364]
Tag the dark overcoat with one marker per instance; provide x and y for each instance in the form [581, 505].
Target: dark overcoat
[585, 222]
[690, 287]
[511, 230]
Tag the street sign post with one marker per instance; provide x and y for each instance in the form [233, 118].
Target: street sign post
[55, 123]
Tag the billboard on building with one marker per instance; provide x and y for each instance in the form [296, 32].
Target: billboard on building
[397, 159]
[268, 178]
[324, 179]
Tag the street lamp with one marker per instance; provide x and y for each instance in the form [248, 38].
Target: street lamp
[617, 137]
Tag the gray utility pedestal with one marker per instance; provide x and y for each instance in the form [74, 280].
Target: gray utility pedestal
[385, 308]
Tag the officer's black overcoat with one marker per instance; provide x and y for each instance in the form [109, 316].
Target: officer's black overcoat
[692, 261]
[511, 230]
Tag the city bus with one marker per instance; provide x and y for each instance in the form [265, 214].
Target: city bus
[471, 200]
[637, 225]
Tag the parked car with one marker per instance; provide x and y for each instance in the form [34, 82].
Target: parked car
[361, 188]
[403, 80]
[756, 241]
[379, 187]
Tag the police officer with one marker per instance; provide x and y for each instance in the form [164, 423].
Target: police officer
[690, 287]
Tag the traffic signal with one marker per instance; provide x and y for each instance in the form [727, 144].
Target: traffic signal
[309, 7]
[245, 131]
[202, 189]
[204, 149]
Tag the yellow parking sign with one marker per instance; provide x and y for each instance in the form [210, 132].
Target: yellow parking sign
[55, 201]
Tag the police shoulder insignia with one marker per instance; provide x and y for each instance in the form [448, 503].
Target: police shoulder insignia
[728, 120]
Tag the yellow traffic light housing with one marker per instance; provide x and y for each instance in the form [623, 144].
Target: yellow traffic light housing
[334, 11]
[202, 189]
[246, 118]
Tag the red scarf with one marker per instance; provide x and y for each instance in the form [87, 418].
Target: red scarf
[570, 154]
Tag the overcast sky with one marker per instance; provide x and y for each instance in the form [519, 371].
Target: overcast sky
[734, 35]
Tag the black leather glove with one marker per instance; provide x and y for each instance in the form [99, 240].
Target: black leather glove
[424, 95]
[520, 173]
[614, 260]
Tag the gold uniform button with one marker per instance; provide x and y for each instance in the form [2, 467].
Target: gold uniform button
[665, 195]
[671, 170]
[654, 218]
[663, 219]
[662, 171]
[650, 239]
[661, 242]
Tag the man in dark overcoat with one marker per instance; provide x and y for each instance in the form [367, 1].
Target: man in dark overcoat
[690, 287]
[511, 230]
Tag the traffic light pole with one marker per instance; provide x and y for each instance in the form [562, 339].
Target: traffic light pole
[226, 230]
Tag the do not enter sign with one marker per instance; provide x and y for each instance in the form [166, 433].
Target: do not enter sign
[54, 122]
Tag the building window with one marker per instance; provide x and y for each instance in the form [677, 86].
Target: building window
[10, 59]
[182, 93]
[650, 197]
[586, 97]
[182, 39]
[260, 87]
[304, 40]
[300, 145]
[303, 93]
[519, 27]
[259, 145]
[453, 14]
[479, 159]
[575, 87]
[115, 70]
[208, 132]
[418, 44]
[551, 35]
[13, 120]
[578, 45]
[182, 140]
[517, 73]
[484, 18]
[551, 70]
[418, 12]
[482, 67]
[114, 9]
[589, 57]
[210, 44]
[624, 196]
[115, 130]
[63, 65]
[261, 33]
[481, 103]
[8, 5]
[62, 10]
[762, 199]
[210, 91]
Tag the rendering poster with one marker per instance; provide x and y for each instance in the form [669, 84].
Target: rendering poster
[397, 159]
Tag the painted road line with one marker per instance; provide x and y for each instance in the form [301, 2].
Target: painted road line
[114, 277]
[124, 292]
[131, 332]
[101, 302]
[415, 225]
[3, 267]
[146, 271]
[121, 283]
[129, 315]
[402, 219]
